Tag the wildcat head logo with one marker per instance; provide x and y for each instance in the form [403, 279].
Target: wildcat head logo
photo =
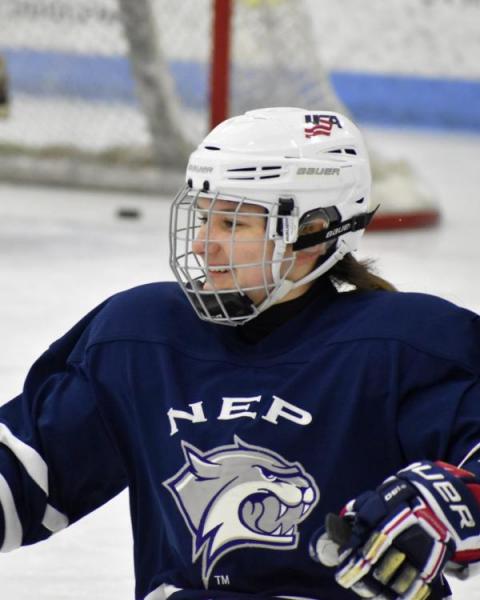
[240, 495]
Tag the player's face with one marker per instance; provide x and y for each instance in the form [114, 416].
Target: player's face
[231, 244]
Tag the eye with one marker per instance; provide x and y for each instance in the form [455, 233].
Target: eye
[267, 474]
[230, 223]
[202, 219]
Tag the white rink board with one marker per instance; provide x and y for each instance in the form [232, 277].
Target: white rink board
[63, 251]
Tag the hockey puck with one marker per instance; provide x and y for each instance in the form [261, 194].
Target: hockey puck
[128, 213]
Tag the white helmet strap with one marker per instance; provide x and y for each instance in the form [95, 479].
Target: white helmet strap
[340, 251]
[282, 284]
[286, 286]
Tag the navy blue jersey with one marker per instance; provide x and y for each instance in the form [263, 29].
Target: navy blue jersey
[234, 452]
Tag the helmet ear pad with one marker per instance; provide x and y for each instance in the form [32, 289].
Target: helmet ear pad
[308, 258]
[314, 223]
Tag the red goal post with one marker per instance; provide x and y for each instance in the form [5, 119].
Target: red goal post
[220, 62]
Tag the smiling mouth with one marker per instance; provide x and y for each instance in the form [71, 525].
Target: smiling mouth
[218, 270]
[218, 278]
[218, 275]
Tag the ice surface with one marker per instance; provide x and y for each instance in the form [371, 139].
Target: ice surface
[63, 251]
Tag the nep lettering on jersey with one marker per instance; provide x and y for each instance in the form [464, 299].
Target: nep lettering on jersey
[240, 495]
[238, 408]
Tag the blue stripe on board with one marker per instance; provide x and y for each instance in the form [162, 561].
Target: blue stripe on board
[60, 74]
[414, 101]
[376, 99]
[96, 78]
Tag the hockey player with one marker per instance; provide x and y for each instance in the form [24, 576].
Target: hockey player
[276, 381]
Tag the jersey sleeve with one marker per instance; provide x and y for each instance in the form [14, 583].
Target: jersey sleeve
[439, 410]
[58, 459]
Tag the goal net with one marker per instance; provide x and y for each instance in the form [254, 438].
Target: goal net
[115, 93]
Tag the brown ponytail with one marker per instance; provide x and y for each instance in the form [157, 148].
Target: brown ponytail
[358, 274]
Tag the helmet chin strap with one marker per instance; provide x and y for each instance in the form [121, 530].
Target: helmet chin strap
[341, 250]
[283, 285]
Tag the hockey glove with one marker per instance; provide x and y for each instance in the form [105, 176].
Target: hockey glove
[395, 542]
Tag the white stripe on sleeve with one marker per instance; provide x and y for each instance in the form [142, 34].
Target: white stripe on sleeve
[37, 468]
[163, 592]
[13, 528]
[54, 520]
[31, 460]
[471, 452]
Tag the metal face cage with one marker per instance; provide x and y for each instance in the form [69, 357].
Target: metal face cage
[228, 253]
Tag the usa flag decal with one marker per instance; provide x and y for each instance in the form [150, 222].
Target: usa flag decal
[320, 125]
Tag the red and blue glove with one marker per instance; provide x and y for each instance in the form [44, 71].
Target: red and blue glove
[395, 542]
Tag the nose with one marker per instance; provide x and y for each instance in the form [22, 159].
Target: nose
[200, 243]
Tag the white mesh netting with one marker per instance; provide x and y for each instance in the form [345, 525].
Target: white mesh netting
[114, 93]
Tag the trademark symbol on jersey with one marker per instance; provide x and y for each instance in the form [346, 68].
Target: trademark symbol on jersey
[319, 124]
[222, 579]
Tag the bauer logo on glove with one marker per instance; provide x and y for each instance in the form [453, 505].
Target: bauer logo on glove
[395, 542]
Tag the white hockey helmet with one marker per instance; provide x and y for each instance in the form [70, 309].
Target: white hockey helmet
[297, 165]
